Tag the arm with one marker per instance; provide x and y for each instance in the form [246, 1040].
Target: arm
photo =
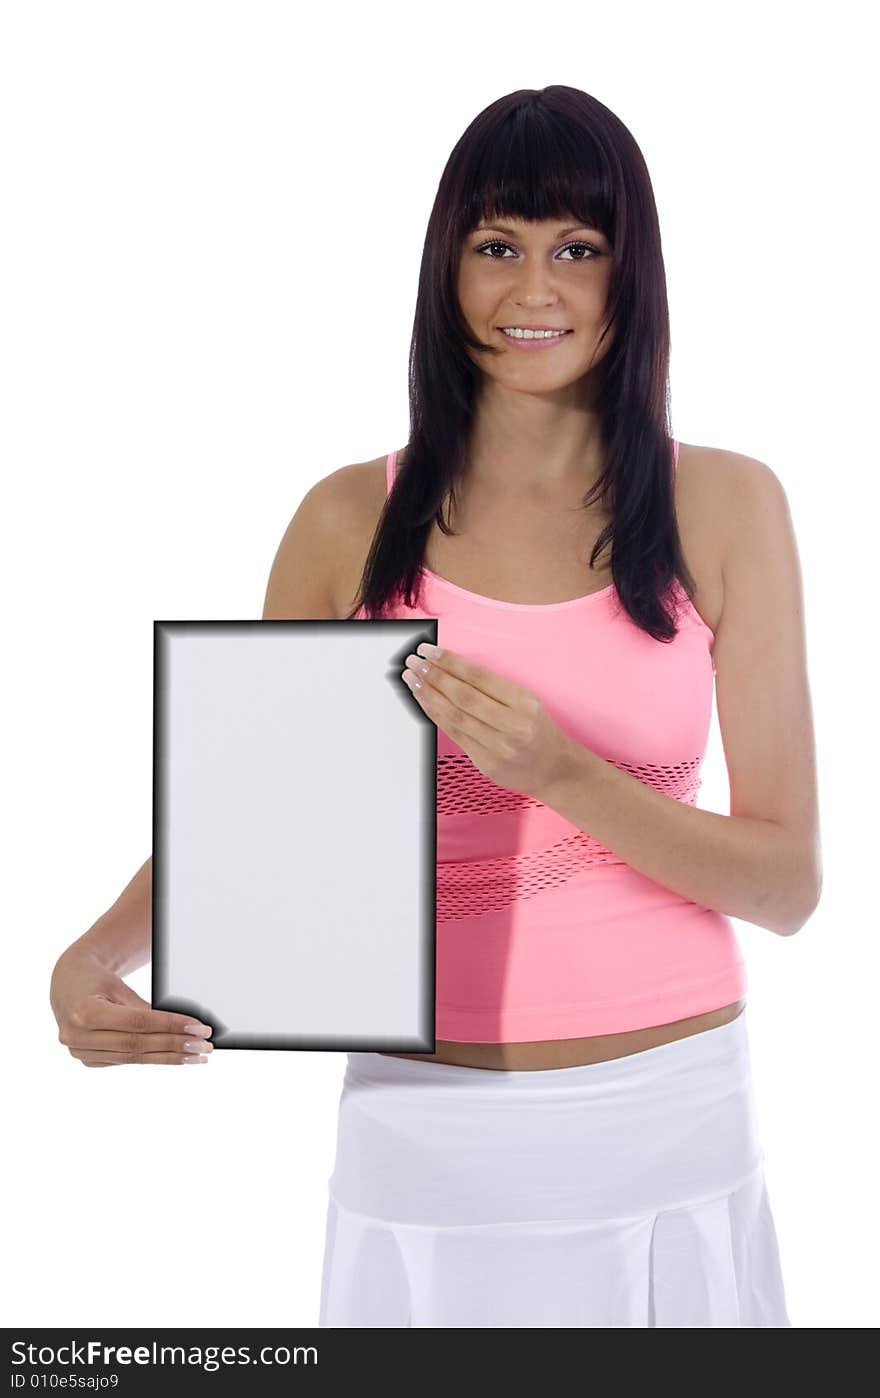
[300, 586]
[304, 576]
[121, 939]
[761, 863]
[100, 1018]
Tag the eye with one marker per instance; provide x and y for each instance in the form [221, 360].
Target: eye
[594, 252]
[499, 243]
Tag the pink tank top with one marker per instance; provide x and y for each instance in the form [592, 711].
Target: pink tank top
[543, 932]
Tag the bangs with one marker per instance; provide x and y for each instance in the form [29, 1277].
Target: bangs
[531, 168]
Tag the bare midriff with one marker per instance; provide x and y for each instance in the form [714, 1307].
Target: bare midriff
[569, 1053]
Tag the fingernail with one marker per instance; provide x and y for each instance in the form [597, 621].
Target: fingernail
[201, 1059]
[203, 1029]
[190, 1047]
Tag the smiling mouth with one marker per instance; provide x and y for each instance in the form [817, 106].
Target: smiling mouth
[539, 330]
[533, 341]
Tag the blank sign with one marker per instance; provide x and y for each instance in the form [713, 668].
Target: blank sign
[294, 834]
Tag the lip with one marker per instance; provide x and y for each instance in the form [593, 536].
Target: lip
[533, 345]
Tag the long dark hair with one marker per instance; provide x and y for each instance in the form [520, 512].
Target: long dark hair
[544, 154]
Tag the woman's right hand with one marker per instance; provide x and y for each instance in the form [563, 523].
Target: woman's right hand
[103, 1021]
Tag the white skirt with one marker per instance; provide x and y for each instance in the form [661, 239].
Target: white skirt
[624, 1193]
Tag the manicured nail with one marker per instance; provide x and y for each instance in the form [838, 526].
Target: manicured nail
[203, 1029]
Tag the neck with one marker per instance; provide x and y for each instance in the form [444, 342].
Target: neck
[535, 443]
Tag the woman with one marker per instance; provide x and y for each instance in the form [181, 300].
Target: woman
[581, 1149]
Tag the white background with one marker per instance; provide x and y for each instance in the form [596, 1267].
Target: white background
[214, 215]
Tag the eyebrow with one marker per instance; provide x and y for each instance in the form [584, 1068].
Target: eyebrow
[511, 232]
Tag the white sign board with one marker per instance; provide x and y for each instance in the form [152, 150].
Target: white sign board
[294, 834]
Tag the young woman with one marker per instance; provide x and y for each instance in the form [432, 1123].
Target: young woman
[582, 1147]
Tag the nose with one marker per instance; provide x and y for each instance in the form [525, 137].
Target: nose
[535, 288]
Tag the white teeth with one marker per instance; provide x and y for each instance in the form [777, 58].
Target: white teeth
[516, 334]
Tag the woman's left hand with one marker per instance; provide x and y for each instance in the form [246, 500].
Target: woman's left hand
[504, 729]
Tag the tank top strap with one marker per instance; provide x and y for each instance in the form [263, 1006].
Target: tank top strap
[675, 453]
[390, 470]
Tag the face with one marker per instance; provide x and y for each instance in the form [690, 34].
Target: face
[549, 273]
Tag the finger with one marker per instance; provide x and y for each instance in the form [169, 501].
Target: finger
[133, 1045]
[456, 721]
[462, 695]
[92, 1059]
[480, 739]
[488, 682]
[458, 684]
[132, 1015]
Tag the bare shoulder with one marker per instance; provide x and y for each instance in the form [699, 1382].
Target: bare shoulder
[312, 562]
[702, 483]
[760, 559]
[355, 495]
[722, 498]
[365, 489]
[719, 475]
[738, 493]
